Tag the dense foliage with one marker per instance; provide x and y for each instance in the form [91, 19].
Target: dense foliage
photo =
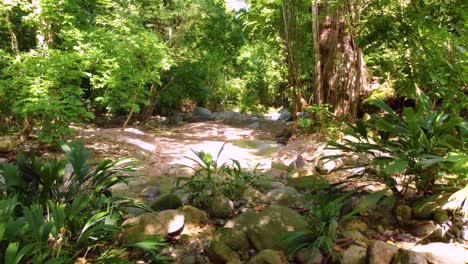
[60, 210]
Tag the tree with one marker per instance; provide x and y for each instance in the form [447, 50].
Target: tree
[340, 72]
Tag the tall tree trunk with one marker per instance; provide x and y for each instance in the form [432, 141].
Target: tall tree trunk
[342, 69]
[293, 79]
[318, 91]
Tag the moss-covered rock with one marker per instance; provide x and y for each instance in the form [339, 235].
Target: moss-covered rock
[269, 256]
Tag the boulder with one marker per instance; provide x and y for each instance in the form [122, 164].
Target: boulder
[163, 223]
[266, 230]
[422, 229]
[166, 201]
[284, 115]
[440, 216]
[354, 255]
[8, 144]
[269, 256]
[308, 255]
[284, 196]
[298, 163]
[220, 207]
[220, 253]
[253, 195]
[193, 215]
[409, 257]
[315, 183]
[266, 184]
[380, 252]
[443, 253]
[200, 114]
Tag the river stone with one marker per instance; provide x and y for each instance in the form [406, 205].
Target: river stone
[303, 172]
[308, 255]
[403, 214]
[156, 223]
[380, 252]
[443, 253]
[269, 256]
[409, 257]
[8, 144]
[166, 201]
[220, 207]
[275, 174]
[193, 215]
[423, 229]
[266, 230]
[150, 193]
[355, 235]
[354, 255]
[284, 196]
[234, 239]
[253, 195]
[325, 166]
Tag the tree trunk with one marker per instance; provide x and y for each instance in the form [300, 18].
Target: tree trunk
[342, 72]
[318, 92]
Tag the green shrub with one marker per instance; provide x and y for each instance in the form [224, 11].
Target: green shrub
[415, 149]
[211, 179]
[50, 216]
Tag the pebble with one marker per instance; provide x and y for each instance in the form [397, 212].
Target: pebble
[252, 252]
[239, 203]
[219, 222]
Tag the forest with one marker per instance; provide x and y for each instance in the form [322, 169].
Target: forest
[368, 154]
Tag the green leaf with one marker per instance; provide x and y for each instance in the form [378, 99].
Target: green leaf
[398, 167]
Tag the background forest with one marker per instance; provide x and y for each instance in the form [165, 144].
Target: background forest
[68, 61]
[383, 80]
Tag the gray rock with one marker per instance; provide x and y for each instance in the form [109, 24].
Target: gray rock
[443, 253]
[380, 252]
[284, 196]
[278, 163]
[220, 207]
[266, 230]
[284, 115]
[354, 255]
[355, 235]
[409, 257]
[269, 256]
[201, 111]
[166, 201]
[254, 125]
[298, 163]
[156, 223]
[303, 172]
[150, 193]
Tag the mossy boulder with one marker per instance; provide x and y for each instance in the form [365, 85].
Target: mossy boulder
[220, 206]
[193, 215]
[267, 230]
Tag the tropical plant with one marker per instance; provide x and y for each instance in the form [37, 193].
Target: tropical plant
[415, 149]
[51, 215]
[325, 220]
[210, 178]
